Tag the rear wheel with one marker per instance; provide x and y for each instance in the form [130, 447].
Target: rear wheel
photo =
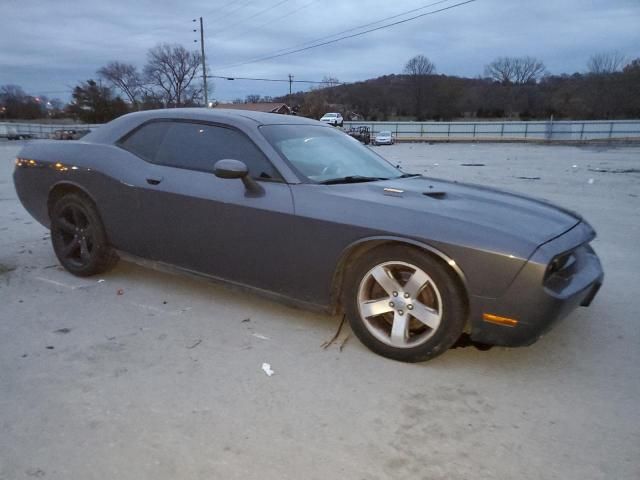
[404, 304]
[78, 237]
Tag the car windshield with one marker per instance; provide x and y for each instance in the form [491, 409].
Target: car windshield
[331, 115]
[386, 133]
[323, 154]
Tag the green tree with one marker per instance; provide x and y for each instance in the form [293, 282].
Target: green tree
[94, 103]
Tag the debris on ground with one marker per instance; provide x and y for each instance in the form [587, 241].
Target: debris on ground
[194, 345]
[6, 268]
[614, 170]
[120, 291]
[35, 472]
[246, 320]
[50, 347]
[529, 178]
[328, 343]
[62, 331]
[261, 337]
[472, 164]
[101, 280]
[266, 368]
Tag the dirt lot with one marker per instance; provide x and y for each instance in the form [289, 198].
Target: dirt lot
[164, 381]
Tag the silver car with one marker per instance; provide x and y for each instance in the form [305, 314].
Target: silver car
[384, 138]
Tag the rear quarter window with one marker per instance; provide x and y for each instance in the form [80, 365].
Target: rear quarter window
[146, 140]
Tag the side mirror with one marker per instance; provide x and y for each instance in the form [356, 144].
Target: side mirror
[228, 168]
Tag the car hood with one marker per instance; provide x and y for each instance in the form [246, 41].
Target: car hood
[490, 210]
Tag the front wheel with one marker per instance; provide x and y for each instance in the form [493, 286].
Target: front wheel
[404, 304]
[78, 237]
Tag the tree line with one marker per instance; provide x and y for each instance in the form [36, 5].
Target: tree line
[168, 79]
[511, 87]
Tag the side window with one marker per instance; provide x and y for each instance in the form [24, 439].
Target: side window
[197, 147]
[145, 141]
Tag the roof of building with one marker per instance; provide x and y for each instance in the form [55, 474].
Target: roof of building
[254, 107]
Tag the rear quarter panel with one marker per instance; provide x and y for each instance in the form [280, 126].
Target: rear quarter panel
[108, 175]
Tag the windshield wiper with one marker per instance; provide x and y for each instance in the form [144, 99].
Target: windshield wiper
[407, 175]
[351, 179]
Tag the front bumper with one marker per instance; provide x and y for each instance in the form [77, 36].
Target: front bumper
[536, 299]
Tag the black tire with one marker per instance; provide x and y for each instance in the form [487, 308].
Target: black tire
[452, 308]
[78, 236]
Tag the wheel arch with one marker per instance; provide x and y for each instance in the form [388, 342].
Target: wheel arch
[357, 249]
[61, 189]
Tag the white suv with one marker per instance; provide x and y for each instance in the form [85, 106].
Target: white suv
[334, 119]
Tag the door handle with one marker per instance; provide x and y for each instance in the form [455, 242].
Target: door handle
[154, 181]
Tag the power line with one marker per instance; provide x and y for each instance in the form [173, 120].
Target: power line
[253, 16]
[233, 10]
[54, 92]
[346, 36]
[228, 77]
[386, 19]
[279, 18]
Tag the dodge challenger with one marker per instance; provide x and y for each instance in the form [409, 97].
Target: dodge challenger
[297, 210]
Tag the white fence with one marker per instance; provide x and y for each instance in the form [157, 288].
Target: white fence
[39, 130]
[573, 131]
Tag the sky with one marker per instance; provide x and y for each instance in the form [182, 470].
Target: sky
[47, 47]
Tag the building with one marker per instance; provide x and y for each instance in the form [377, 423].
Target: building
[281, 108]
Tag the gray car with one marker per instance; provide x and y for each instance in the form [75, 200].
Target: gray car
[299, 211]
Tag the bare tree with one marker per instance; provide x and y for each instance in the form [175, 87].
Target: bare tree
[124, 77]
[602, 63]
[252, 98]
[418, 69]
[518, 70]
[171, 70]
[330, 81]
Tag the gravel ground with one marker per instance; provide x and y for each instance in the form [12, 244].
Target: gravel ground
[164, 380]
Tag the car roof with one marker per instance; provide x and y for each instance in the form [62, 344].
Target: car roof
[115, 129]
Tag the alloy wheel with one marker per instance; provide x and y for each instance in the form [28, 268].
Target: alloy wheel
[74, 233]
[399, 304]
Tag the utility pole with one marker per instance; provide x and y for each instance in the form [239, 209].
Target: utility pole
[290, 82]
[204, 66]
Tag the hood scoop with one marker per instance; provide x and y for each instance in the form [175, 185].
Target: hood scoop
[438, 195]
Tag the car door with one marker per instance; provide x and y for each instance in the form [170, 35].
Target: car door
[211, 225]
